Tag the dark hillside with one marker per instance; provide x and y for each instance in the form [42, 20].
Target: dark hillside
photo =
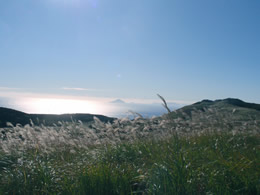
[240, 103]
[13, 116]
[231, 111]
[229, 103]
[17, 117]
[50, 119]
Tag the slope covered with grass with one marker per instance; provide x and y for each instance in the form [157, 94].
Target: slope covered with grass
[210, 163]
[206, 152]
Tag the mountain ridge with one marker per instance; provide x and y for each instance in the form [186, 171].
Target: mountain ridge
[17, 117]
[231, 101]
[239, 109]
[117, 101]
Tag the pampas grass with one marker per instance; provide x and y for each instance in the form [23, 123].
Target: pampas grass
[207, 152]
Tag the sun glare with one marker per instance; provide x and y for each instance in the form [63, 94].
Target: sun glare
[61, 106]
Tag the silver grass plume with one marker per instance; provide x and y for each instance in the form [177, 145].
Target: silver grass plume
[164, 103]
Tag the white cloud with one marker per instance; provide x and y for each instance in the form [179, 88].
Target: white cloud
[77, 89]
[157, 100]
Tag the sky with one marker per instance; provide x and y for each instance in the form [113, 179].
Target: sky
[61, 56]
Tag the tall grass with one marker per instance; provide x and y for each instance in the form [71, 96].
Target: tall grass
[197, 154]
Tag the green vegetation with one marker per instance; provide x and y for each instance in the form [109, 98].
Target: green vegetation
[217, 163]
[206, 152]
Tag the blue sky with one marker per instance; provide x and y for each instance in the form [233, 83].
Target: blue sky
[185, 50]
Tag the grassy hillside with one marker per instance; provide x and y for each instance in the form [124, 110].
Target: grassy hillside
[205, 164]
[234, 113]
[227, 105]
[212, 150]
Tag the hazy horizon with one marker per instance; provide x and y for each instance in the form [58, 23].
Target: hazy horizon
[116, 108]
